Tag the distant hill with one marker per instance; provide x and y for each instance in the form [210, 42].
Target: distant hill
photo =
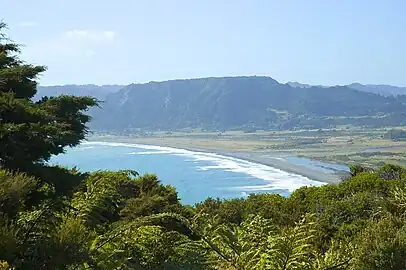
[381, 89]
[97, 91]
[303, 85]
[243, 103]
[385, 90]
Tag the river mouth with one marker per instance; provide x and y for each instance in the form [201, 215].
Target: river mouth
[318, 165]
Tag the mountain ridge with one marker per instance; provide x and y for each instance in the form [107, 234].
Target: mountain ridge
[242, 102]
[382, 89]
[97, 91]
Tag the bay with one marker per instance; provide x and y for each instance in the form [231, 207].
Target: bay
[195, 175]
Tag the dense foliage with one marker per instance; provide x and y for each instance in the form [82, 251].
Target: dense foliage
[30, 132]
[118, 220]
[56, 218]
[243, 102]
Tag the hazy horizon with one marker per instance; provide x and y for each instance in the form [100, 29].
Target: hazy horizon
[194, 78]
[311, 42]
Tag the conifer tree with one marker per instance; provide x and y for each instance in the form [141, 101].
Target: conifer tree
[31, 132]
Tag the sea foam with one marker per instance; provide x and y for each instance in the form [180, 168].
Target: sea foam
[278, 179]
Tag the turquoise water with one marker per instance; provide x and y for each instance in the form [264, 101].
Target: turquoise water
[195, 175]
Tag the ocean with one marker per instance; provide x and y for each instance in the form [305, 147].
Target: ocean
[195, 175]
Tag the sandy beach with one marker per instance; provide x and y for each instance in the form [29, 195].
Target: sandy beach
[275, 160]
[282, 164]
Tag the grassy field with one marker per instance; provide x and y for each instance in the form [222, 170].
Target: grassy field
[341, 145]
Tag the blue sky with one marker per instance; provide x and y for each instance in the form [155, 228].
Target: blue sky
[119, 42]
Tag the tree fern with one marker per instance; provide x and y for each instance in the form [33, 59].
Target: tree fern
[338, 257]
[119, 245]
[399, 201]
[233, 246]
[15, 189]
[291, 249]
[101, 197]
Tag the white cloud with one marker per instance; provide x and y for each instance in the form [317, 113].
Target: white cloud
[90, 36]
[75, 34]
[27, 24]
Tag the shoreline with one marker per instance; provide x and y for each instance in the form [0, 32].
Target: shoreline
[275, 161]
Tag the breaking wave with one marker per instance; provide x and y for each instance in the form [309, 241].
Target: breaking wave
[278, 179]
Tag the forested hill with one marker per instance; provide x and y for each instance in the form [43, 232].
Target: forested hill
[243, 102]
[386, 90]
[381, 89]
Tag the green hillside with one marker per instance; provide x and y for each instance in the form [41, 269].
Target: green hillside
[237, 102]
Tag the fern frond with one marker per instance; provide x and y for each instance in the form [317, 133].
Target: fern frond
[338, 257]
[236, 247]
[292, 248]
[399, 200]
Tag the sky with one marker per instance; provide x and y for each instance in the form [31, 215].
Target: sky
[329, 42]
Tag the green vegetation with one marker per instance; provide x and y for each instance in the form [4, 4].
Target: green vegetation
[395, 135]
[344, 145]
[57, 218]
[244, 103]
[117, 220]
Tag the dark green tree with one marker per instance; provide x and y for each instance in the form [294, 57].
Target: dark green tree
[31, 132]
